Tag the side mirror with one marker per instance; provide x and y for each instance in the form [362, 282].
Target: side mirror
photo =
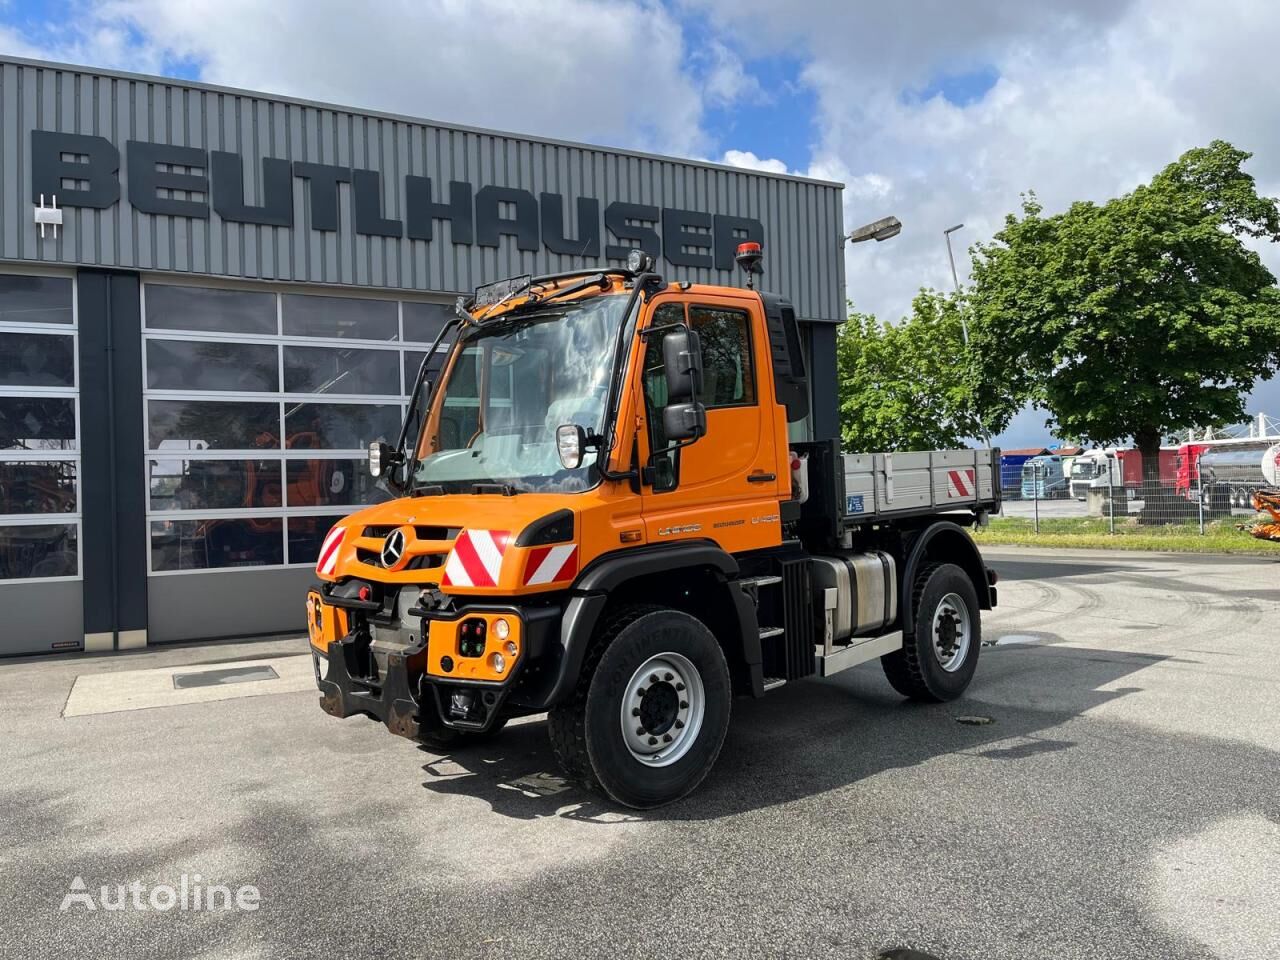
[684, 422]
[682, 365]
[571, 444]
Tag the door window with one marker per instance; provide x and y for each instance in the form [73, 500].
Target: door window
[728, 374]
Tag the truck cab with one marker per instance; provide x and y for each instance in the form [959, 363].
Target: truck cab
[1043, 478]
[601, 514]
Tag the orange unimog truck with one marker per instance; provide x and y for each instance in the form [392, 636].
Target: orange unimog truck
[604, 516]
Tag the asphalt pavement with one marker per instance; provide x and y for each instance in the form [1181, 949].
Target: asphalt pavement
[1107, 788]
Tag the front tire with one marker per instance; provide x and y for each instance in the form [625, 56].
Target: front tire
[651, 710]
[937, 661]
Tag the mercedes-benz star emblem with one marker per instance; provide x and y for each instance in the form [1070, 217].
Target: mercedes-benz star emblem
[392, 548]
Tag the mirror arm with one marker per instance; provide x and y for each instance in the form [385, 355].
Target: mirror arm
[641, 283]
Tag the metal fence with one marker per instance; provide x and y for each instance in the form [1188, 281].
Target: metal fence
[1108, 503]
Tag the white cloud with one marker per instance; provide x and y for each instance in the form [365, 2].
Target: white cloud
[749, 161]
[616, 73]
[726, 79]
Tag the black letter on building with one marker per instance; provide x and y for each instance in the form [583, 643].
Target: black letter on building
[616, 216]
[489, 226]
[731, 231]
[553, 238]
[420, 211]
[366, 186]
[324, 191]
[49, 170]
[227, 173]
[145, 180]
[676, 235]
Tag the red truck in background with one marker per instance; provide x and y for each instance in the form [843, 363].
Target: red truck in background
[1118, 468]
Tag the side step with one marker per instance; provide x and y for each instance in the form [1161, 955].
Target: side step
[861, 650]
[768, 580]
[772, 683]
[768, 632]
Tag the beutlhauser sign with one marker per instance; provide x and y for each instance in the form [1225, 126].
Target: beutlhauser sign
[163, 179]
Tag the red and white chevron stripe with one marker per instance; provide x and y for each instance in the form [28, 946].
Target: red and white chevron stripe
[960, 483]
[551, 564]
[476, 559]
[327, 562]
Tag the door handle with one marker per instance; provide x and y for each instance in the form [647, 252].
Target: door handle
[762, 478]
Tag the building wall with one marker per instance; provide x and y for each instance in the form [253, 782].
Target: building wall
[800, 220]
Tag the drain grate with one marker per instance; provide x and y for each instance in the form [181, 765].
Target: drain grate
[213, 678]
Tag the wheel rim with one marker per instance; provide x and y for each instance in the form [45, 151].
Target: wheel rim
[952, 632]
[662, 709]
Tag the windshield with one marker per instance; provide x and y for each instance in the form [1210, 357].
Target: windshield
[512, 383]
[1086, 468]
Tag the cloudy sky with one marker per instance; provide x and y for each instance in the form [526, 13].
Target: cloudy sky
[935, 111]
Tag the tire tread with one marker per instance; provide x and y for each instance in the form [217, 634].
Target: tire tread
[566, 724]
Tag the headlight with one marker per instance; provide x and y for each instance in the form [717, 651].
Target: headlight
[502, 629]
[498, 662]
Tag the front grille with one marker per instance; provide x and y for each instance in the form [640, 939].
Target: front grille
[426, 561]
[423, 532]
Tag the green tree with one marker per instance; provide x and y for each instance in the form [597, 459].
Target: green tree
[909, 385]
[1140, 316]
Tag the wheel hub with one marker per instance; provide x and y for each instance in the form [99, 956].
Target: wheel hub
[951, 632]
[662, 709]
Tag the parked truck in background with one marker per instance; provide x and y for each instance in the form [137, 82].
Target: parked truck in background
[1187, 479]
[1046, 477]
[1231, 474]
[1118, 469]
[604, 517]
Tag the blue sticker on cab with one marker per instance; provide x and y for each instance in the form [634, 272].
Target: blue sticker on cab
[853, 503]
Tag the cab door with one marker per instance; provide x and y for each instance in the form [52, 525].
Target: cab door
[725, 485]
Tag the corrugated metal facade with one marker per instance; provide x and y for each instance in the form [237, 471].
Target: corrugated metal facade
[802, 219]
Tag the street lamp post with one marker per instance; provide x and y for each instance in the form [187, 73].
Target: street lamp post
[955, 277]
[964, 324]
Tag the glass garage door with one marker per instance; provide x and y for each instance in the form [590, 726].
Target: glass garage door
[260, 406]
[39, 449]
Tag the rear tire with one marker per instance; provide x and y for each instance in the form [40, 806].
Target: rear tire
[651, 709]
[937, 661]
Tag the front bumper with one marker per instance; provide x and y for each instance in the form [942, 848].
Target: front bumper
[403, 686]
[389, 699]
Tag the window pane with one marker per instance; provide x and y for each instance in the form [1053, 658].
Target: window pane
[214, 484]
[322, 483]
[37, 423]
[345, 317]
[195, 365]
[35, 299]
[38, 551]
[206, 544]
[413, 359]
[727, 377]
[37, 360]
[211, 309]
[423, 321]
[305, 536]
[45, 487]
[213, 425]
[341, 370]
[340, 426]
